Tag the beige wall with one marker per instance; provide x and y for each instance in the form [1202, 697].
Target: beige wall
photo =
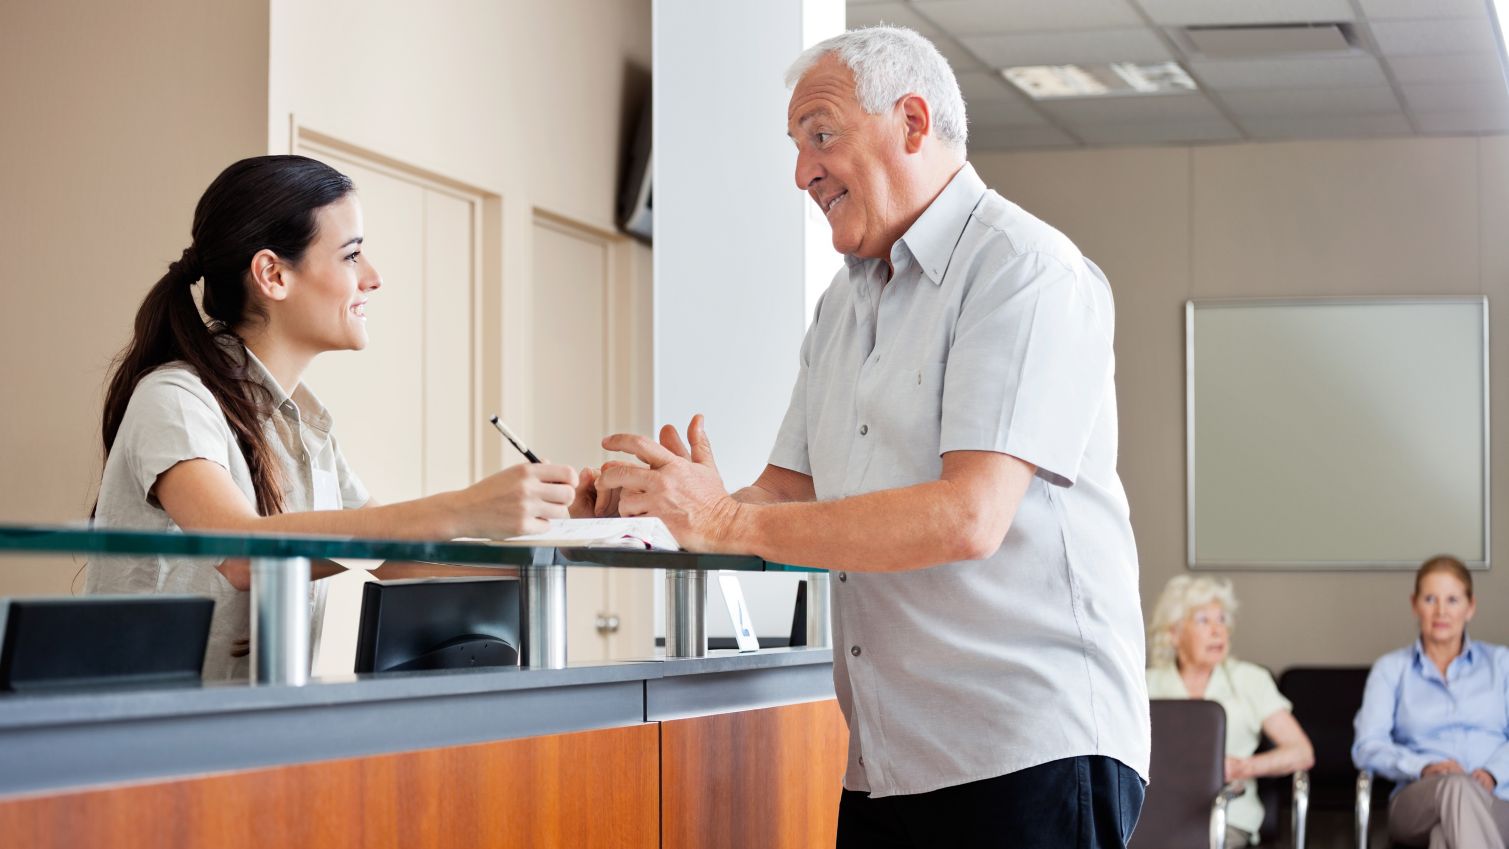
[531, 102]
[116, 116]
[1394, 217]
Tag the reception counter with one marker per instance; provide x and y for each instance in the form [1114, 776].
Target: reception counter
[724, 750]
[694, 751]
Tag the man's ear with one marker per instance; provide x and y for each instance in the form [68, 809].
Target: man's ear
[269, 275]
[917, 119]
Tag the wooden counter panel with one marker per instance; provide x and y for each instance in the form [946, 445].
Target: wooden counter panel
[758, 779]
[587, 789]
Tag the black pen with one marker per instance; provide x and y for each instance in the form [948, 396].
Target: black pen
[514, 440]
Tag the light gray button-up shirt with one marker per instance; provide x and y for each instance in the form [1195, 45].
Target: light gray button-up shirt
[172, 417]
[994, 334]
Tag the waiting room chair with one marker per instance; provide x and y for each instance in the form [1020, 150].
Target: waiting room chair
[1186, 801]
[1326, 700]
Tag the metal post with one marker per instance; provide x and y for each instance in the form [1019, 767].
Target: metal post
[543, 588]
[280, 620]
[819, 627]
[685, 613]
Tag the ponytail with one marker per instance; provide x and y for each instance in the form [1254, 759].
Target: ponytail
[262, 203]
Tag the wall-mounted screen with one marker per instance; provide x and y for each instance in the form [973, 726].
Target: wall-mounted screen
[1336, 434]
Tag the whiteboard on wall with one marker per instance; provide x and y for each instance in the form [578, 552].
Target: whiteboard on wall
[1336, 433]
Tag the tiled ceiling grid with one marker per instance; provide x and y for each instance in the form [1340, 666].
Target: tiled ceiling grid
[1418, 67]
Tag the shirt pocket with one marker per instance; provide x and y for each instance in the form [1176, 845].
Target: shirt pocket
[327, 490]
[908, 412]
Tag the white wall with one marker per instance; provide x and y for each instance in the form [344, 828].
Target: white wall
[1424, 216]
[738, 261]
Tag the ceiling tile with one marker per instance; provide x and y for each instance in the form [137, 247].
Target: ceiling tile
[1447, 68]
[1459, 97]
[983, 17]
[1162, 132]
[1069, 47]
[901, 14]
[984, 85]
[989, 114]
[1016, 138]
[1451, 35]
[1188, 12]
[1385, 9]
[1474, 121]
[1302, 102]
[1328, 126]
[1131, 109]
[1290, 73]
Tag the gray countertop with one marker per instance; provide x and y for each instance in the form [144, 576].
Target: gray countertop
[76, 739]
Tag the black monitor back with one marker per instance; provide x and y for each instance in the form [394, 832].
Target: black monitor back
[438, 624]
[103, 641]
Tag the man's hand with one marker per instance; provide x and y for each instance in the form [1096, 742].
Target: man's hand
[592, 501]
[681, 486]
[1485, 778]
[1442, 768]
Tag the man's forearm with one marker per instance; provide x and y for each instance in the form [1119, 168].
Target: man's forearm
[888, 531]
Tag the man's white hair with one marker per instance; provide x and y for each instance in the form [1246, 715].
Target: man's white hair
[888, 64]
[1183, 594]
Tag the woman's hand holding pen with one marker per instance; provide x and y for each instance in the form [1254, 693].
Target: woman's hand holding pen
[520, 499]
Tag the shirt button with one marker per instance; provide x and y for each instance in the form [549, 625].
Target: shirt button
[843, 576]
[861, 760]
[854, 651]
[864, 429]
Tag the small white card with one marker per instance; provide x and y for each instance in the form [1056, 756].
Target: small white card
[738, 611]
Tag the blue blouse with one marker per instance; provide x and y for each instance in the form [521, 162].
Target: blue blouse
[1412, 717]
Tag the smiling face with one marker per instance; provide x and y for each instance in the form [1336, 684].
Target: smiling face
[1443, 608]
[325, 307]
[851, 163]
[1203, 638]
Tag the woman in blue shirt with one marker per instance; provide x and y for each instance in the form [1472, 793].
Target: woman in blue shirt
[1435, 718]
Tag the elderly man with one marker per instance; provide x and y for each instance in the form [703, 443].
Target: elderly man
[950, 453]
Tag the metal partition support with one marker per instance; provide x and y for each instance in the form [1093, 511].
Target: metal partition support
[280, 620]
[543, 631]
[685, 613]
[819, 621]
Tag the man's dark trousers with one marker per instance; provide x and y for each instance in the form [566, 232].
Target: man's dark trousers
[1087, 802]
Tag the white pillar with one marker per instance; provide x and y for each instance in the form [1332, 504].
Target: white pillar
[740, 254]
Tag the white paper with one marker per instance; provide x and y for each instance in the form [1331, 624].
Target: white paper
[640, 532]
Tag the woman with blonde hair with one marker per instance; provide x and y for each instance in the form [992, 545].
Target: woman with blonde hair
[1435, 719]
[1189, 657]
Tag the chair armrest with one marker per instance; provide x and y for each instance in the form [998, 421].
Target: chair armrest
[1300, 814]
[1364, 806]
[1218, 813]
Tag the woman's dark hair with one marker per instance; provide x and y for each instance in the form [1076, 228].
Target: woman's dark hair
[1448, 564]
[261, 203]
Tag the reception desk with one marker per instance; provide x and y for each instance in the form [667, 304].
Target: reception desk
[727, 750]
[695, 751]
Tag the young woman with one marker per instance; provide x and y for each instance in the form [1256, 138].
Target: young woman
[1435, 719]
[207, 424]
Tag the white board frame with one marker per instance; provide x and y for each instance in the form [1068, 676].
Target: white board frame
[1190, 307]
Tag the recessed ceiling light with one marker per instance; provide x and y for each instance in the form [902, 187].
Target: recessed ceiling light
[1116, 79]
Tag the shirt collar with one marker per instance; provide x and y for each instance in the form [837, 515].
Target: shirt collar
[302, 403]
[932, 237]
[935, 233]
[1468, 655]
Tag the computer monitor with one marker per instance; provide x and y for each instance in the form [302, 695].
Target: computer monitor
[50, 644]
[438, 624]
